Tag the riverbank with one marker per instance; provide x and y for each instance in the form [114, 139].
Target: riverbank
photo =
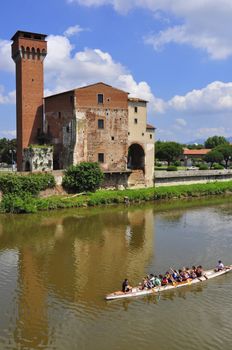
[108, 197]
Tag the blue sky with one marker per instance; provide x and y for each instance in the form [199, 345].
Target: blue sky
[175, 53]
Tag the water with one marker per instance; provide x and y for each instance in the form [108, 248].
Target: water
[55, 269]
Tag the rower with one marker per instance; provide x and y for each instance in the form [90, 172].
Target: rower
[125, 286]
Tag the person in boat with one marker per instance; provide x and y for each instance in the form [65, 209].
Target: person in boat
[125, 286]
[157, 282]
[200, 272]
[193, 274]
[164, 281]
[220, 266]
[152, 279]
[175, 275]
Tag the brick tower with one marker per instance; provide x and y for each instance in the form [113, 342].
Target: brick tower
[28, 53]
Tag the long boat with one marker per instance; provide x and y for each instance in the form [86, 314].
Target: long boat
[137, 291]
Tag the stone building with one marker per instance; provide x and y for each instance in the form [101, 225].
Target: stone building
[95, 123]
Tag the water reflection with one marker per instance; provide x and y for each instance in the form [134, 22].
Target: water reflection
[55, 269]
[69, 258]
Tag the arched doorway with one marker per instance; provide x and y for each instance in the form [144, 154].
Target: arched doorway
[27, 166]
[136, 157]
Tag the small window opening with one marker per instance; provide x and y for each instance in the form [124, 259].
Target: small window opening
[100, 123]
[112, 138]
[100, 98]
[136, 121]
[142, 133]
[136, 109]
[151, 136]
[101, 157]
[59, 115]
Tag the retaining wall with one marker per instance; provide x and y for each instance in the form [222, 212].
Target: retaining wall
[168, 178]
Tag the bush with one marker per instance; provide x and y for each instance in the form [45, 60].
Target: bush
[177, 163]
[203, 167]
[172, 168]
[12, 203]
[33, 184]
[218, 166]
[83, 177]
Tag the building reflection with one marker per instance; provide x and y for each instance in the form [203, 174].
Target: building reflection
[73, 258]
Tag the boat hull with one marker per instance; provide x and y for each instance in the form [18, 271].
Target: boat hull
[137, 292]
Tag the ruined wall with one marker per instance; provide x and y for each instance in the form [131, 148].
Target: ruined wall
[38, 158]
[60, 127]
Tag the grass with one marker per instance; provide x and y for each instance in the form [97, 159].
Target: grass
[107, 197]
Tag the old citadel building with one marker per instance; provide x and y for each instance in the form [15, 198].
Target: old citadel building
[95, 123]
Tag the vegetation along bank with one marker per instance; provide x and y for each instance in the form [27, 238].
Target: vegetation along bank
[20, 195]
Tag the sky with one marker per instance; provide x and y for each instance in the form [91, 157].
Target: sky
[176, 54]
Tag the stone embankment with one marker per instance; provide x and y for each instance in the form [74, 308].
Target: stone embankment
[188, 177]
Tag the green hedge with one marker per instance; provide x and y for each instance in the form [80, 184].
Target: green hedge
[19, 184]
[104, 197]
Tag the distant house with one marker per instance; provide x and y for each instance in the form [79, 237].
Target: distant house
[190, 154]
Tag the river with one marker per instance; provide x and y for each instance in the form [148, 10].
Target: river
[56, 268]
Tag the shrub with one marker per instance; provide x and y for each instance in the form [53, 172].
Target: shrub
[83, 177]
[33, 184]
[172, 168]
[203, 167]
[177, 163]
[218, 166]
[12, 203]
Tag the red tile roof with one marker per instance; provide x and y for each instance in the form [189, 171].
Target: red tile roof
[191, 152]
[149, 126]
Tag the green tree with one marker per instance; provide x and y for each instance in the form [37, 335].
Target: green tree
[168, 151]
[7, 150]
[215, 141]
[226, 151]
[83, 177]
[213, 156]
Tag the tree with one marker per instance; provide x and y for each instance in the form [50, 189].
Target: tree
[213, 156]
[7, 150]
[168, 151]
[83, 177]
[215, 141]
[226, 151]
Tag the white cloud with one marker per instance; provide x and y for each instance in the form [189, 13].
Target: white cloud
[8, 133]
[205, 24]
[181, 122]
[74, 30]
[6, 62]
[207, 132]
[8, 98]
[66, 69]
[215, 97]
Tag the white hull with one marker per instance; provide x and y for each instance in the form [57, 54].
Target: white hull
[136, 292]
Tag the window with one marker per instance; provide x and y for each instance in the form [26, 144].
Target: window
[136, 109]
[67, 129]
[142, 133]
[151, 136]
[112, 138]
[59, 114]
[100, 123]
[100, 98]
[136, 121]
[101, 157]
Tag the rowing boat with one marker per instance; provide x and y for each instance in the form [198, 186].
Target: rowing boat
[137, 291]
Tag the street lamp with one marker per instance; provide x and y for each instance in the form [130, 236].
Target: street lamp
[12, 151]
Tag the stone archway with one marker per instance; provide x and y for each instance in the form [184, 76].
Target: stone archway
[136, 157]
[27, 166]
